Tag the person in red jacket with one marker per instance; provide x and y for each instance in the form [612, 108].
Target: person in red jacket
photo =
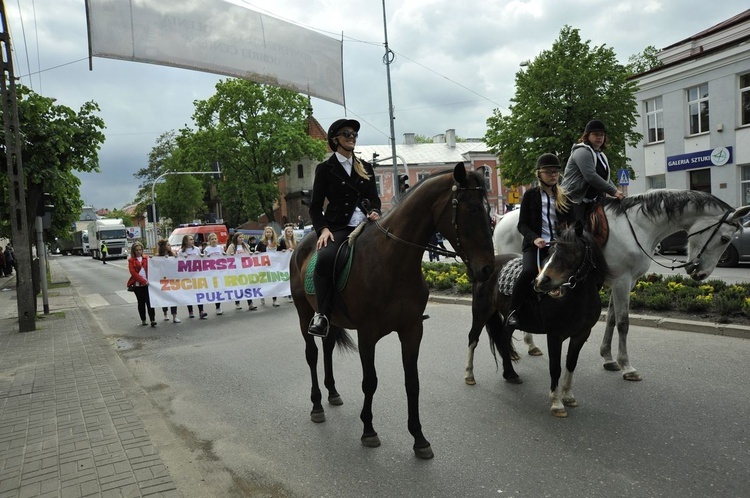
[138, 266]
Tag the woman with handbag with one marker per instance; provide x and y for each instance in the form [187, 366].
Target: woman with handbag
[138, 266]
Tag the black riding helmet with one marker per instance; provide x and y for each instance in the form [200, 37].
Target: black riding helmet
[547, 161]
[336, 127]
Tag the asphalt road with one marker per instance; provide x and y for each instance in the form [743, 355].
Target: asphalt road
[235, 389]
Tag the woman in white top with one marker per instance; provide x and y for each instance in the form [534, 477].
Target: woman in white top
[188, 248]
[238, 246]
[213, 249]
[269, 242]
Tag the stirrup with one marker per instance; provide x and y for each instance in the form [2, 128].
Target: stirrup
[318, 325]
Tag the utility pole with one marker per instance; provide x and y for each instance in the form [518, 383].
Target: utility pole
[387, 59]
[26, 300]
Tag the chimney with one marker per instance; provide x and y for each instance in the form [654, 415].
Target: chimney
[450, 138]
[409, 139]
[438, 139]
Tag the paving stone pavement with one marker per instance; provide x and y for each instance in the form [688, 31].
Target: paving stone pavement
[67, 425]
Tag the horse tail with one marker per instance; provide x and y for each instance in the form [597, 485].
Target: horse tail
[500, 339]
[343, 340]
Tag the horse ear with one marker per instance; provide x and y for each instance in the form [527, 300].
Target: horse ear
[459, 173]
[579, 228]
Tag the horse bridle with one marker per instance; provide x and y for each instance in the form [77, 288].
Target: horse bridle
[454, 221]
[582, 273]
[697, 259]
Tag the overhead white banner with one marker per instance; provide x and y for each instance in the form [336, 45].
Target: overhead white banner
[218, 37]
[218, 279]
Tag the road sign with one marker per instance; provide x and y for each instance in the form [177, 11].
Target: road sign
[623, 177]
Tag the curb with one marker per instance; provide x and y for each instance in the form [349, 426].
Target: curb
[723, 329]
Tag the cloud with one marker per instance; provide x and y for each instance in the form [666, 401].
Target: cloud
[456, 62]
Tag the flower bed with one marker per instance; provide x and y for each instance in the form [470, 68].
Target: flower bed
[652, 292]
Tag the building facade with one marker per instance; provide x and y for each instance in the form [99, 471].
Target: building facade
[694, 115]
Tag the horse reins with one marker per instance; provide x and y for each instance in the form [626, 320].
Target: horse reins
[454, 221]
[715, 226]
[582, 273]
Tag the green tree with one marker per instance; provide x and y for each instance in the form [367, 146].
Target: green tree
[556, 95]
[56, 142]
[127, 219]
[644, 61]
[255, 132]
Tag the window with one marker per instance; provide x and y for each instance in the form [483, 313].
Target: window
[379, 184]
[745, 185]
[422, 176]
[745, 99]
[655, 120]
[300, 171]
[698, 108]
[657, 181]
[487, 172]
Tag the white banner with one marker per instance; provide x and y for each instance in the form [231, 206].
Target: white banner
[199, 280]
[218, 37]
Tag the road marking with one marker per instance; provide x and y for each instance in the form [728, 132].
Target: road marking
[95, 300]
[126, 296]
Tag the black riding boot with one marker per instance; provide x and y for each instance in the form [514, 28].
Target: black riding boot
[320, 322]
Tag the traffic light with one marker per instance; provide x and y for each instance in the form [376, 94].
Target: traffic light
[403, 183]
[150, 214]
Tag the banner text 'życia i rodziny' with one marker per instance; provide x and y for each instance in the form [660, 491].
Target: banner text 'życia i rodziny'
[222, 279]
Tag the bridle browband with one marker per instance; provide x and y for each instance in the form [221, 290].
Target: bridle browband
[455, 189]
[697, 259]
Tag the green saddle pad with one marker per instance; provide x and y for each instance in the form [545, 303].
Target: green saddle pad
[343, 275]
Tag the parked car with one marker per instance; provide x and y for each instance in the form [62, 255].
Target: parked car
[675, 244]
[739, 249]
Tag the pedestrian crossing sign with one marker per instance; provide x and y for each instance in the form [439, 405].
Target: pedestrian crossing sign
[624, 178]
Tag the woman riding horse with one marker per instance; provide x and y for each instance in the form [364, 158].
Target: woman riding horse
[349, 185]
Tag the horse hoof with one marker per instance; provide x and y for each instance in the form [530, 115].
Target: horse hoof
[514, 380]
[335, 400]
[371, 441]
[634, 376]
[470, 381]
[424, 453]
[535, 351]
[559, 413]
[570, 402]
[611, 366]
[318, 416]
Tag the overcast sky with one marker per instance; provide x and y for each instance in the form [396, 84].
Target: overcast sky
[455, 62]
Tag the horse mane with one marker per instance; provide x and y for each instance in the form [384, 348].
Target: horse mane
[670, 202]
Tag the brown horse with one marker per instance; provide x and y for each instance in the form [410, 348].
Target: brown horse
[386, 290]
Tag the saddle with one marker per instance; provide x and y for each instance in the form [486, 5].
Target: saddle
[342, 268]
[597, 224]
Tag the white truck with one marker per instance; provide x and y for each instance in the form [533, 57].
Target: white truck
[81, 243]
[113, 233]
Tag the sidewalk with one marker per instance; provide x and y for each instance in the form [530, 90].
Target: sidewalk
[68, 420]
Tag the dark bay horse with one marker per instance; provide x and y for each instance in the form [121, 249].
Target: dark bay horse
[567, 307]
[636, 225]
[386, 290]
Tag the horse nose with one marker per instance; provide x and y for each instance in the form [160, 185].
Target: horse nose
[541, 283]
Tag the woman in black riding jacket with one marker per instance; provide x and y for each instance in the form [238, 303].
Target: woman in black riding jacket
[348, 183]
